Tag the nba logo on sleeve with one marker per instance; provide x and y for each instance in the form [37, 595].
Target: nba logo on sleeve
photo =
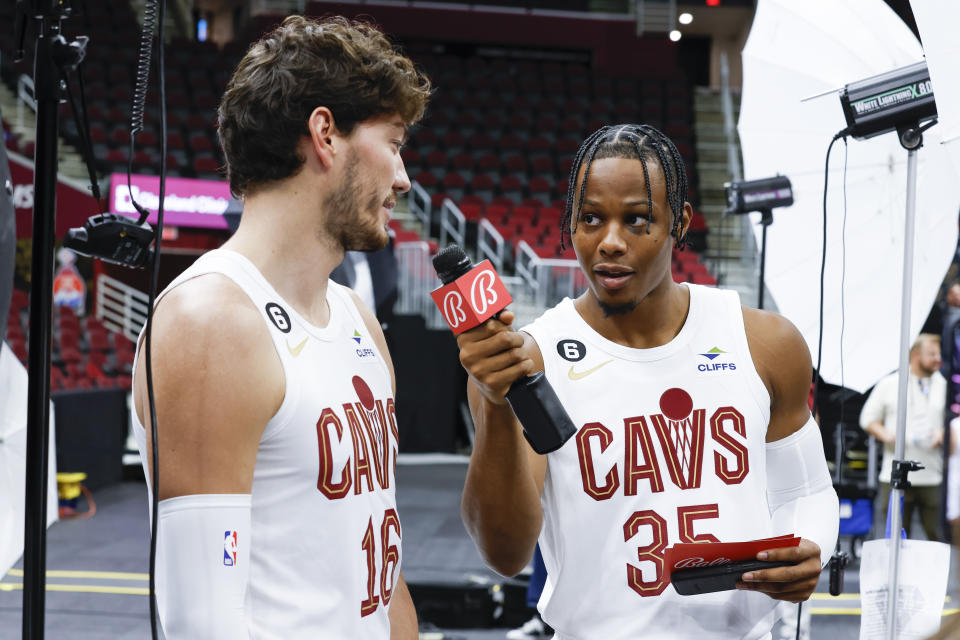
[229, 548]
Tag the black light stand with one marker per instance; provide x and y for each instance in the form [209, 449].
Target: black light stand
[54, 55]
[766, 219]
[764, 196]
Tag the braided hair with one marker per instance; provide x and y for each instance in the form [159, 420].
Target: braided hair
[639, 142]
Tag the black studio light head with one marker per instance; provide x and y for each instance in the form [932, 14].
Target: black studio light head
[893, 100]
[765, 194]
[112, 238]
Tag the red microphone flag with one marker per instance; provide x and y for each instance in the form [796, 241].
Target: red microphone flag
[473, 298]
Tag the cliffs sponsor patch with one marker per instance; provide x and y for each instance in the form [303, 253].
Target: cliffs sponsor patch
[712, 364]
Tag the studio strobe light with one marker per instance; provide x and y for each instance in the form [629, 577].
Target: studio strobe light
[899, 100]
[764, 195]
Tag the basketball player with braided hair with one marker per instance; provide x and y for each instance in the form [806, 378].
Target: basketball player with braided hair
[692, 423]
[276, 423]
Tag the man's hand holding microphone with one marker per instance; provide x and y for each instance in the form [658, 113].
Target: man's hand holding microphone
[473, 301]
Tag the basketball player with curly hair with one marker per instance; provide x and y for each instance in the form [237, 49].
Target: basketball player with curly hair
[692, 423]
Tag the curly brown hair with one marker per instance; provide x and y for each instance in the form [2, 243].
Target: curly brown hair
[347, 66]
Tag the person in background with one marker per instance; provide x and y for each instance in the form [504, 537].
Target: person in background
[926, 396]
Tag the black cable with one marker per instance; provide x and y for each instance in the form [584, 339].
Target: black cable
[82, 121]
[154, 280]
[152, 23]
[823, 264]
[150, 27]
[799, 611]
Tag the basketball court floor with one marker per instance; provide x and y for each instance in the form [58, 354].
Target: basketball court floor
[97, 569]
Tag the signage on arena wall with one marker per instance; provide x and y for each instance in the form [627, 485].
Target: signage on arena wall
[74, 205]
[188, 202]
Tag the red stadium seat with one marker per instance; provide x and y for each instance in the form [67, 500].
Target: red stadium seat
[482, 186]
[98, 341]
[19, 348]
[454, 142]
[411, 158]
[120, 136]
[471, 212]
[463, 164]
[70, 355]
[511, 186]
[540, 187]
[200, 143]
[207, 167]
[550, 216]
[121, 342]
[174, 142]
[542, 166]
[454, 185]
[19, 299]
[69, 339]
[539, 145]
[472, 199]
[488, 162]
[426, 179]
[498, 212]
[436, 200]
[437, 163]
[481, 142]
[525, 214]
[515, 164]
[92, 371]
[510, 142]
[14, 332]
[568, 145]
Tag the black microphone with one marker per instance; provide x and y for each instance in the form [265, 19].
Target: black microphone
[545, 422]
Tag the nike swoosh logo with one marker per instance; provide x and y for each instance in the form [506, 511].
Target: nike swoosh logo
[295, 351]
[573, 375]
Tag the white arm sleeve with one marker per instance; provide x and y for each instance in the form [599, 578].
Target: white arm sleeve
[800, 491]
[203, 563]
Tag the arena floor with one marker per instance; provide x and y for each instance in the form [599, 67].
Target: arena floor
[97, 583]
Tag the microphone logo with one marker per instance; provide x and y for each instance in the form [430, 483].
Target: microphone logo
[482, 293]
[453, 309]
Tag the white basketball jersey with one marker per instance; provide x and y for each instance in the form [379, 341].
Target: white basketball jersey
[325, 540]
[669, 448]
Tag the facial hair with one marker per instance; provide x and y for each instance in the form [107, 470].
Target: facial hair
[616, 309]
[347, 215]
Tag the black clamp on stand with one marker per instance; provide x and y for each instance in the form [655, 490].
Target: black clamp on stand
[54, 56]
[898, 477]
[911, 134]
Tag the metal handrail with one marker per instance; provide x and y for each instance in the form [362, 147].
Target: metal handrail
[25, 96]
[551, 279]
[490, 244]
[120, 307]
[420, 205]
[452, 223]
[525, 263]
